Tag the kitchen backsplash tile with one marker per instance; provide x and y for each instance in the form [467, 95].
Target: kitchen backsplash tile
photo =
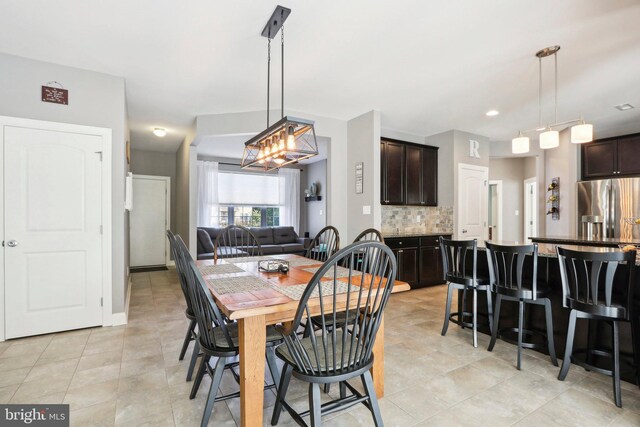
[433, 219]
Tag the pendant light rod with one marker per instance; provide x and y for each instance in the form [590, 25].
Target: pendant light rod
[268, 78]
[539, 92]
[555, 84]
[282, 72]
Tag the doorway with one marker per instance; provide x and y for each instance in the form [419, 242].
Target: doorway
[149, 221]
[495, 210]
[530, 208]
[473, 197]
[56, 212]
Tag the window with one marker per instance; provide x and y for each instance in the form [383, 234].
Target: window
[248, 216]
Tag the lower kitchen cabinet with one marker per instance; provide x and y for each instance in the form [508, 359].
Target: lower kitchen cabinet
[419, 260]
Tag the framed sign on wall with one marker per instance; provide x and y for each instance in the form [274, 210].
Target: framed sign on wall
[359, 177]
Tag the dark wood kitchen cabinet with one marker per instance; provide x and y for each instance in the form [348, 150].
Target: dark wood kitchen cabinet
[409, 174]
[392, 160]
[406, 251]
[431, 260]
[418, 258]
[611, 157]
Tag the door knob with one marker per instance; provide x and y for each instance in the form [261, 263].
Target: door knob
[12, 243]
[464, 231]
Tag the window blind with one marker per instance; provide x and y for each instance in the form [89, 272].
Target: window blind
[248, 189]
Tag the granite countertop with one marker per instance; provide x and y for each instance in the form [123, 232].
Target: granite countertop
[603, 241]
[423, 234]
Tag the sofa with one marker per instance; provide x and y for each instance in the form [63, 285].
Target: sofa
[273, 241]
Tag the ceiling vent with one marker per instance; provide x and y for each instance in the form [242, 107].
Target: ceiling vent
[624, 107]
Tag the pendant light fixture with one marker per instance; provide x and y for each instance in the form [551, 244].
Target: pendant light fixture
[290, 139]
[549, 136]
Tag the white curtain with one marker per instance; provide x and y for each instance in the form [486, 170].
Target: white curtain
[290, 197]
[207, 192]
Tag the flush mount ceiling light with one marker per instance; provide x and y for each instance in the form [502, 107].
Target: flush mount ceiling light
[290, 139]
[160, 132]
[492, 113]
[624, 107]
[581, 132]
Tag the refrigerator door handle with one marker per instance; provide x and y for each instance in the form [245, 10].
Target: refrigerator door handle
[607, 213]
[612, 199]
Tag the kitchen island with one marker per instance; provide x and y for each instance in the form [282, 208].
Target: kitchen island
[605, 242]
[549, 272]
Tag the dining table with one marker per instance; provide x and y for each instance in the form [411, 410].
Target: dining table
[256, 298]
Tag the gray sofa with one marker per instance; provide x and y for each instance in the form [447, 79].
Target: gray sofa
[273, 241]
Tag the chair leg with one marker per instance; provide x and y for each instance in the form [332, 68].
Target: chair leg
[199, 375]
[447, 311]
[367, 382]
[550, 341]
[635, 343]
[285, 379]
[617, 393]
[194, 359]
[213, 390]
[462, 307]
[315, 405]
[490, 309]
[474, 314]
[273, 365]
[496, 322]
[571, 331]
[343, 390]
[520, 330]
[592, 337]
[187, 339]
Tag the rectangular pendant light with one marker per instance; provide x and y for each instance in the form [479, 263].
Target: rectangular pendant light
[549, 139]
[581, 133]
[520, 145]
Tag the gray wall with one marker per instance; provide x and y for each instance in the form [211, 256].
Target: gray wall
[445, 166]
[95, 99]
[511, 172]
[563, 162]
[311, 215]
[157, 164]
[183, 196]
[530, 167]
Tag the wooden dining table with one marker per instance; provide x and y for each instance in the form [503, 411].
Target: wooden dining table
[256, 308]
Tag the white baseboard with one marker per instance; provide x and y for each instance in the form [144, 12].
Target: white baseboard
[121, 318]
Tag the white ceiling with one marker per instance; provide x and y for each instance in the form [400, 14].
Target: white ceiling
[428, 66]
[232, 146]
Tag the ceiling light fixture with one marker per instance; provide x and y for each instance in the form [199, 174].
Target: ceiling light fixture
[160, 132]
[624, 107]
[492, 113]
[581, 132]
[290, 139]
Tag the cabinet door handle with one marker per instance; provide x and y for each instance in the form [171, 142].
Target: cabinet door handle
[400, 251]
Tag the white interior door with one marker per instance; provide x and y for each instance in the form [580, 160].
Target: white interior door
[530, 208]
[149, 220]
[473, 194]
[53, 226]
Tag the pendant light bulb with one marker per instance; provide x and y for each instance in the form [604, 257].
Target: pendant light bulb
[582, 133]
[520, 145]
[291, 139]
[281, 141]
[549, 139]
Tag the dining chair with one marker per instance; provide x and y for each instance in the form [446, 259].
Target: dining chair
[338, 354]
[454, 263]
[219, 342]
[370, 234]
[325, 244]
[587, 289]
[191, 334]
[506, 275]
[235, 241]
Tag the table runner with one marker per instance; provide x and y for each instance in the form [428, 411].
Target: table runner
[296, 291]
[340, 272]
[206, 270]
[236, 284]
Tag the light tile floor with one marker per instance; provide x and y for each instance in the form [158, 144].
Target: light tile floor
[131, 376]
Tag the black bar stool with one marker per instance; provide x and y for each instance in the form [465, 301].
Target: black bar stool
[587, 289]
[454, 258]
[506, 265]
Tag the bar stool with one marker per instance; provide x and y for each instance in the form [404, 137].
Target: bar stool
[587, 285]
[506, 265]
[454, 258]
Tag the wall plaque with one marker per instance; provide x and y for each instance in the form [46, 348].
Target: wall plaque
[55, 95]
[359, 177]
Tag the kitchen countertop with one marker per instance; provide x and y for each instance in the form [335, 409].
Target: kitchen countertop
[603, 241]
[400, 235]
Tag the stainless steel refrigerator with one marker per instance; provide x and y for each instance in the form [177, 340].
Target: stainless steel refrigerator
[610, 201]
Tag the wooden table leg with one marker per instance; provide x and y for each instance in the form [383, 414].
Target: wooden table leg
[253, 339]
[377, 370]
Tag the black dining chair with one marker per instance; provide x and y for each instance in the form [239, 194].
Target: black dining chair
[587, 289]
[325, 244]
[369, 234]
[338, 354]
[219, 342]
[191, 334]
[454, 263]
[506, 274]
[236, 241]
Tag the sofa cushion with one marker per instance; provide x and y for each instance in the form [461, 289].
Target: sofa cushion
[206, 256]
[204, 241]
[284, 235]
[271, 249]
[290, 248]
[263, 234]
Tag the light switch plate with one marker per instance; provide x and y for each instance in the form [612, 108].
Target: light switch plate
[418, 218]
[517, 212]
[366, 210]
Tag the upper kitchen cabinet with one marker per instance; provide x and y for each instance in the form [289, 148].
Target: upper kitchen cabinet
[409, 174]
[611, 157]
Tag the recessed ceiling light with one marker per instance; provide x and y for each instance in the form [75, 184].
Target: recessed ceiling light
[160, 132]
[624, 107]
[492, 113]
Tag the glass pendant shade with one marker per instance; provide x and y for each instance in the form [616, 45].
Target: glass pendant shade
[520, 145]
[300, 144]
[582, 133]
[549, 139]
